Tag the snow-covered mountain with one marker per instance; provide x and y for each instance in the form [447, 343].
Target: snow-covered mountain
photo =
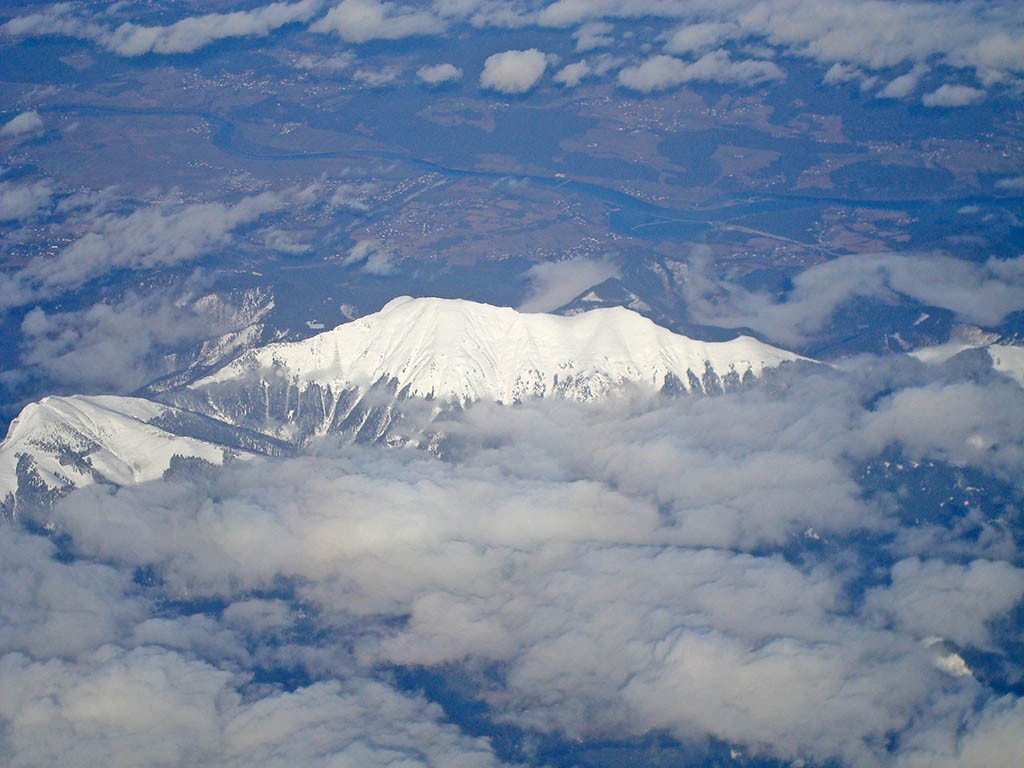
[359, 380]
[456, 352]
[61, 443]
[450, 349]
[985, 346]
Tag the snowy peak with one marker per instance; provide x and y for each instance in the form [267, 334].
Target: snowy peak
[457, 350]
[354, 381]
[61, 443]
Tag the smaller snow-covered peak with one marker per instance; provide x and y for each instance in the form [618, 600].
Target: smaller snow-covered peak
[454, 349]
[73, 441]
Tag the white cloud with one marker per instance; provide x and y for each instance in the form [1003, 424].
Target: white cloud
[969, 434]
[18, 201]
[359, 21]
[700, 37]
[1013, 183]
[955, 602]
[158, 236]
[19, 125]
[436, 74]
[662, 72]
[513, 72]
[195, 32]
[338, 62]
[947, 95]
[573, 74]
[657, 73]
[717, 66]
[989, 738]
[902, 86]
[687, 565]
[355, 196]
[153, 706]
[500, 14]
[981, 293]
[119, 346]
[54, 609]
[866, 33]
[375, 78]
[370, 257]
[591, 553]
[844, 73]
[594, 34]
[554, 283]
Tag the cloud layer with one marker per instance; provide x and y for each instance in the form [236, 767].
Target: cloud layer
[619, 568]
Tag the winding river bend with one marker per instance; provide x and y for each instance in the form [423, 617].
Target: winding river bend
[627, 214]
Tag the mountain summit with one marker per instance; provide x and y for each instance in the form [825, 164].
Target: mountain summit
[463, 351]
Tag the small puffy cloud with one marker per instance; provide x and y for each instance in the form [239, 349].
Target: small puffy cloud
[554, 283]
[844, 73]
[718, 67]
[369, 257]
[658, 73]
[283, 241]
[375, 78]
[697, 38]
[1013, 183]
[513, 71]
[566, 13]
[841, 73]
[499, 14]
[18, 201]
[572, 75]
[594, 34]
[26, 122]
[902, 86]
[436, 74]
[359, 21]
[662, 72]
[313, 62]
[354, 196]
[953, 96]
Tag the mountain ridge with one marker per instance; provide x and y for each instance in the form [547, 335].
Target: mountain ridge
[500, 354]
[358, 380]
